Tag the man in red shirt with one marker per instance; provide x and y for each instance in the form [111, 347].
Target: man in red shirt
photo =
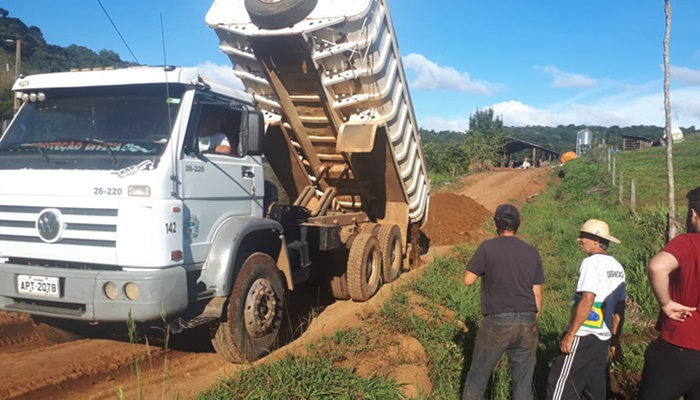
[672, 362]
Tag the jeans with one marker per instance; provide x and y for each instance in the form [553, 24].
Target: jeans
[515, 334]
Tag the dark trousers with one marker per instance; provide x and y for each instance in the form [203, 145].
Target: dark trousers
[514, 334]
[583, 368]
[670, 372]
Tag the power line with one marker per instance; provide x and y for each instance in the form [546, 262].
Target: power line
[118, 33]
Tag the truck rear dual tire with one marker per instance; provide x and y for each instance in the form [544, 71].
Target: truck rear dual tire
[339, 282]
[278, 14]
[364, 267]
[253, 315]
[391, 247]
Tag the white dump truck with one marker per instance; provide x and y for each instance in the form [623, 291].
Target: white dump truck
[139, 194]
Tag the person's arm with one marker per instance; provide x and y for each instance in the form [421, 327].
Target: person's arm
[223, 149]
[476, 266]
[618, 321]
[538, 290]
[659, 270]
[470, 277]
[580, 314]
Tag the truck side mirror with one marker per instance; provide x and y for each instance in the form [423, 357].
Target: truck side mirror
[256, 132]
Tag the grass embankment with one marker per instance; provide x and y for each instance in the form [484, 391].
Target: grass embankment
[551, 224]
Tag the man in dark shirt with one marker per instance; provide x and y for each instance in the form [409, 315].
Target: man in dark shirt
[511, 300]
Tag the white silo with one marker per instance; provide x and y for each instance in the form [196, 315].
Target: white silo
[584, 139]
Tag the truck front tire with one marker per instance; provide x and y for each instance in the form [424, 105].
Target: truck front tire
[278, 14]
[250, 325]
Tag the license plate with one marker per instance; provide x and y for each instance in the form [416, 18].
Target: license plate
[45, 286]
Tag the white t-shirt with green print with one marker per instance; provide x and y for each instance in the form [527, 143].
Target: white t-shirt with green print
[602, 275]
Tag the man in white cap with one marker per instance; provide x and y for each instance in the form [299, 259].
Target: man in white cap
[596, 320]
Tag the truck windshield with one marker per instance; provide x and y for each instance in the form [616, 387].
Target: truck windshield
[92, 128]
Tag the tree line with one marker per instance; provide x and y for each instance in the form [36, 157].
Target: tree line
[449, 154]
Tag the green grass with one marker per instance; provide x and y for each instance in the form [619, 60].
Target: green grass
[314, 375]
[648, 168]
[551, 224]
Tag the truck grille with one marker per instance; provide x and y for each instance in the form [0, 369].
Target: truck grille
[96, 227]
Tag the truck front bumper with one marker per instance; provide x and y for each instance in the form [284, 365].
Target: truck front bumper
[82, 296]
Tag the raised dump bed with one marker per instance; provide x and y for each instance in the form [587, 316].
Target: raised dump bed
[329, 78]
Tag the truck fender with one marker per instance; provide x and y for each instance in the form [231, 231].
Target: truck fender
[234, 241]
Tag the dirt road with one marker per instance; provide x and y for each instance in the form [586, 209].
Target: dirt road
[505, 186]
[34, 368]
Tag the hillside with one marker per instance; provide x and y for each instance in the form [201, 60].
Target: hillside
[38, 56]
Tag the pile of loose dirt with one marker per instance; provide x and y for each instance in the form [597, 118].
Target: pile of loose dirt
[455, 219]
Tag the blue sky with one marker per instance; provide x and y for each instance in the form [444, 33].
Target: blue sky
[543, 62]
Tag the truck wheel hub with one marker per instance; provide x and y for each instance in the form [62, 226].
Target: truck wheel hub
[260, 308]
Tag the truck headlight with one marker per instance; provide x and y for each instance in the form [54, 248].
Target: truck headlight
[131, 291]
[111, 290]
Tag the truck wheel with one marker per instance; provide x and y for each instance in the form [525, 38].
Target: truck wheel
[364, 267]
[278, 14]
[249, 327]
[369, 227]
[54, 330]
[392, 252]
[338, 267]
[339, 282]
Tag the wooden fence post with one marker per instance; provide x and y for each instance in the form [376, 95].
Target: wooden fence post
[609, 151]
[613, 170]
[621, 186]
[633, 197]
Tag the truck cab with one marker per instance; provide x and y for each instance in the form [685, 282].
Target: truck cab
[111, 207]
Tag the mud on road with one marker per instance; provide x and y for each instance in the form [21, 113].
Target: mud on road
[35, 368]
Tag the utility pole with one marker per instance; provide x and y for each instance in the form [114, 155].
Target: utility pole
[18, 67]
[18, 64]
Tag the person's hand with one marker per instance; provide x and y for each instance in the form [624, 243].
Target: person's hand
[676, 311]
[566, 342]
[616, 354]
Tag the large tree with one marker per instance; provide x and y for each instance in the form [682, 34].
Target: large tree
[485, 139]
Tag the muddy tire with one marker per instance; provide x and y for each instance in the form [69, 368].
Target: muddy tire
[55, 330]
[369, 228]
[278, 14]
[391, 246]
[338, 267]
[339, 284]
[253, 314]
[364, 267]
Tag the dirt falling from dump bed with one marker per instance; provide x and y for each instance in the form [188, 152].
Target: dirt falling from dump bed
[455, 219]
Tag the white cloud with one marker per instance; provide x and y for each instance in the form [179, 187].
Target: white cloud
[686, 75]
[516, 113]
[220, 73]
[431, 76]
[442, 124]
[646, 109]
[567, 79]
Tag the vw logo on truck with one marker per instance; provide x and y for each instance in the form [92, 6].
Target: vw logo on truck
[49, 225]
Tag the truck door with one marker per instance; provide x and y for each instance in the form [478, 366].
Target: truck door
[216, 183]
